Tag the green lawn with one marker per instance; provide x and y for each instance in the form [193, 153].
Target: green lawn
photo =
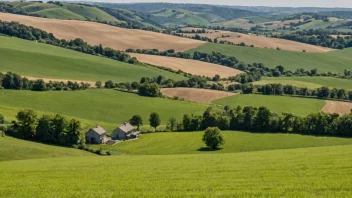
[235, 141]
[306, 172]
[278, 104]
[309, 82]
[16, 149]
[336, 61]
[98, 105]
[29, 58]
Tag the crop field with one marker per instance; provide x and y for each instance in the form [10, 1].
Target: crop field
[304, 172]
[309, 82]
[187, 65]
[196, 95]
[335, 61]
[182, 17]
[108, 36]
[99, 105]
[277, 104]
[16, 149]
[339, 107]
[235, 141]
[33, 59]
[262, 41]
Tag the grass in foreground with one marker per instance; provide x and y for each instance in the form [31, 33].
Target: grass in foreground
[235, 141]
[277, 104]
[307, 172]
[16, 149]
[29, 58]
[336, 61]
[309, 82]
[99, 105]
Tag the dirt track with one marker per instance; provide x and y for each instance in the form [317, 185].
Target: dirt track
[190, 66]
[196, 95]
[341, 108]
[262, 41]
[108, 36]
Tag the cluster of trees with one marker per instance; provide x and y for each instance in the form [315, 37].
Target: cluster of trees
[48, 129]
[193, 31]
[9, 8]
[318, 37]
[14, 81]
[154, 120]
[323, 92]
[29, 33]
[263, 120]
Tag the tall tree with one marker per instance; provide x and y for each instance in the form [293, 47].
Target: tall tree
[136, 120]
[27, 120]
[154, 120]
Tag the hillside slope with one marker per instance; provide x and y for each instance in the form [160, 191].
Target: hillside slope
[29, 58]
[306, 172]
[108, 36]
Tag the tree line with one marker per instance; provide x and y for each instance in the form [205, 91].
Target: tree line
[14, 81]
[30, 33]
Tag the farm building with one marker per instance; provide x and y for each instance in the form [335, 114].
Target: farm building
[125, 132]
[97, 135]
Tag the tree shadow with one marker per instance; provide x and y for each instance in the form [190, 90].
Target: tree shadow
[207, 149]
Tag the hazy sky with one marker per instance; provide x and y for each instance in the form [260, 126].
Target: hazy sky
[274, 3]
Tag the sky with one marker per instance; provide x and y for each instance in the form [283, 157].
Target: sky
[271, 3]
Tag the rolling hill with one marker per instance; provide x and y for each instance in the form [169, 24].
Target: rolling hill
[32, 59]
[108, 36]
[335, 61]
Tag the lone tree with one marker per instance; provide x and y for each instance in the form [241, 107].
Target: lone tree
[213, 138]
[154, 120]
[136, 120]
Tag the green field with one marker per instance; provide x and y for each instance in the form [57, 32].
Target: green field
[96, 105]
[309, 82]
[66, 11]
[183, 17]
[336, 61]
[16, 149]
[29, 58]
[306, 172]
[235, 141]
[277, 104]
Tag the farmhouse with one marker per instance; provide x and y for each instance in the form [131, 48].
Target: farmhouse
[125, 132]
[97, 135]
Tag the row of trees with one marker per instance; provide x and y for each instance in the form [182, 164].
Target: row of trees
[48, 129]
[14, 81]
[263, 120]
[30, 33]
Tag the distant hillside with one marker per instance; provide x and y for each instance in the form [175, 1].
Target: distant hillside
[194, 14]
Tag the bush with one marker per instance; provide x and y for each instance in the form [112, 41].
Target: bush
[213, 138]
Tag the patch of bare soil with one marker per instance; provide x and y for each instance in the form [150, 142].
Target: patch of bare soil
[339, 107]
[205, 96]
[187, 65]
[108, 36]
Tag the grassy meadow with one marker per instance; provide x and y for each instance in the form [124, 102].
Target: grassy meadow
[309, 82]
[277, 104]
[235, 141]
[335, 61]
[16, 149]
[29, 58]
[96, 105]
[306, 172]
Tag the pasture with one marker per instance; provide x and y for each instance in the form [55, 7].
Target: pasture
[108, 36]
[32, 59]
[97, 105]
[194, 67]
[335, 61]
[196, 95]
[304, 172]
[235, 141]
[16, 149]
[261, 41]
[309, 82]
[277, 104]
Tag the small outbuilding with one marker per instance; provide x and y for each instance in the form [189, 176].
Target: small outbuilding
[125, 132]
[97, 135]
